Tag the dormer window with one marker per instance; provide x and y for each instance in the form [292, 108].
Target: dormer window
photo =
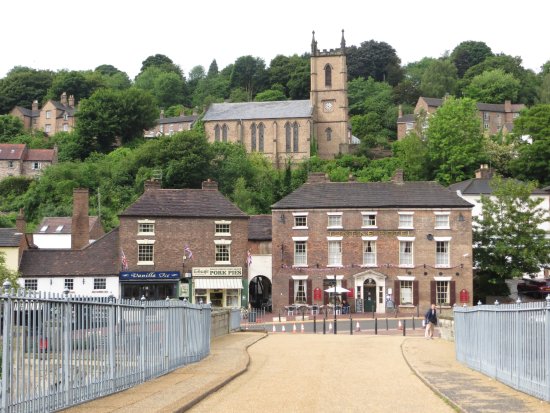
[44, 228]
[59, 228]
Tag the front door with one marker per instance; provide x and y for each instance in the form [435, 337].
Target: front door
[369, 295]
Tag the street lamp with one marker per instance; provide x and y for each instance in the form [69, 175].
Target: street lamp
[335, 328]
[189, 277]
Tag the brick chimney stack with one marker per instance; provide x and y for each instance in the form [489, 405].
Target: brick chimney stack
[151, 184]
[400, 111]
[484, 172]
[34, 105]
[397, 177]
[80, 236]
[20, 223]
[507, 106]
[63, 99]
[317, 178]
[71, 101]
[210, 185]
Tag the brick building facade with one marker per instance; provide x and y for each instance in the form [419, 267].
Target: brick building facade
[407, 243]
[186, 243]
[494, 117]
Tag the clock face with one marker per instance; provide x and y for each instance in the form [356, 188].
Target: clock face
[328, 106]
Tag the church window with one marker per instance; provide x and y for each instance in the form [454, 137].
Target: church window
[261, 130]
[328, 132]
[287, 135]
[295, 137]
[253, 137]
[328, 76]
[224, 132]
[217, 133]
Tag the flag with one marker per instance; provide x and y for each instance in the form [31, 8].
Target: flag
[188, 252]
[248, 258]
[123, 260]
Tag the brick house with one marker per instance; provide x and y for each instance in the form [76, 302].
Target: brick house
[171, 125]
[55, 116]
[18, 160]
[260, 262]
[494, 117]
[186, 243]
[284, 130]
[402, 243]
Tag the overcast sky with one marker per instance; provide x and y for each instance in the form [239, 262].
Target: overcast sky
[83, 34]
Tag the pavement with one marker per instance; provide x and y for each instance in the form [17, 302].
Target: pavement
[431, 361]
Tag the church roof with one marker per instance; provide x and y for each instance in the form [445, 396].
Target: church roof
[259, 110]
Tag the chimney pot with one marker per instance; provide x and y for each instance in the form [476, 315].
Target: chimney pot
[71, 101]
[484, 172]
[20, 223]
[151, 184]
[34, 105]
[63, 99]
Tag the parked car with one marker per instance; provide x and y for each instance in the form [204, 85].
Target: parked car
[535, 288]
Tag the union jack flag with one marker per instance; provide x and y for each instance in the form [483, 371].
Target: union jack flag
[248, 258]
[188, 252]
[123, 260]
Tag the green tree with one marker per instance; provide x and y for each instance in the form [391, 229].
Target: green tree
[109, 115]
[213, 69]
[249, 73]
[79, 84]
[454, 141]
[162, 62]
[22, 86]
[406, 92]
[210, 90]
[468, 54]
[439, 79]
[167, 88]
[544, 89]
[270, 95]
[293, 73]
[493, 86]
[415, 70]
[508, 239]
[5, 273]
[412, 153]
[532, 162]
[374, 59]
[113, 78]
[10, 127]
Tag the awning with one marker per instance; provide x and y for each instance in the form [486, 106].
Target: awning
[218, 283]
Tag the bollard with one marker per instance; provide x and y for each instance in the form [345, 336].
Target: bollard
[279, 316]
[404, 327]
[413, 323]
[314, 324]
[386, 323]
[350, 326]
[324, 325]
[376, 326]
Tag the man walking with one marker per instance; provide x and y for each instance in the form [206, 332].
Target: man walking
[431, 322]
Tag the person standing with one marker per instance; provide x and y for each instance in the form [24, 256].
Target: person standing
[431, 322]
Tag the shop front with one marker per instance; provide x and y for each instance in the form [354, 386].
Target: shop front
[220, 286]
[153, 285]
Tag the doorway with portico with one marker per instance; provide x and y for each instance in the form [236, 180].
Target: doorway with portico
[370, 287]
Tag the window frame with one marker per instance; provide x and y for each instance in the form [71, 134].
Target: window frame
[222, 252]
[334, 251]
[442, 225]
[406, 284]
[404, 261]
[143, 245]
[31, 284]
[300, 251]
[144, 224]
[299, 215]
[221, 225]
[337, 217]
[443, 257]
[406, 223]
[372, 241]
[69, 284]
[99, 283]
[368, 214]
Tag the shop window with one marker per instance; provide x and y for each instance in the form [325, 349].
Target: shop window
[232, 298]
[200, 296]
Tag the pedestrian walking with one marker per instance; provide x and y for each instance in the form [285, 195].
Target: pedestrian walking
[431, 322]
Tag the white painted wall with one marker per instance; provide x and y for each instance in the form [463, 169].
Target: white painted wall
[11, 255]
[261, 265]
[82, 286]
[52, 241]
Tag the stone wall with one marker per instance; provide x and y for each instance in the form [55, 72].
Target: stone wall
[447, 328]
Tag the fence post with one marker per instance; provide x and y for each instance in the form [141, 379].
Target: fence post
[67, 347]
[112, 342]
[142, 340]
[6, 350]
[314, 324]
[350, 325]
[404, 327]
[324, 325]
[547, 348]
[376, 325]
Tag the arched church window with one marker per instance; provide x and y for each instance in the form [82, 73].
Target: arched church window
[261, 130]
[253, 137]
[225, 129]
[328, 76]
[295, 137]
[288, 136]
[217, 133]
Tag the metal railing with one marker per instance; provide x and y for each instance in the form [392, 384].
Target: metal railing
[510, 343]
[61, 350]
[234, 319]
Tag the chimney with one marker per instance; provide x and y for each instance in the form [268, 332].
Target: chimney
[80, 232]
[195, 111]
[151, 184]
[210, 185]
[484, 172]
[162, 114]
[400, 112]
[397, 177]
[63, 99]
[507, 106]
[20, 223]
[34, 105]
[71, 101]
[317, 178]
[351, 178]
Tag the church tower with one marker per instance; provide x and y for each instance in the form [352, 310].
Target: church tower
[329, 99]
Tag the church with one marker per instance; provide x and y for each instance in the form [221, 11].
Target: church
[292, 130]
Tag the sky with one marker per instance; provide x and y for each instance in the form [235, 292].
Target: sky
[83, 34]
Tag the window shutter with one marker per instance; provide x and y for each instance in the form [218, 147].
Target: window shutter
[453, 293]
[396, 293]
[432, 293]
[415, 292]
[291, 291]
[309, 297]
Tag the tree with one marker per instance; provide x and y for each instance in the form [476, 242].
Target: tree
[544, 89]
[412, 153]
[213, 69]
[439, 79]
[249, 73]
[5, 273]
[113, 78]
[109, 115]
[493, 86]
[168, 88]
[293, 73]
[415, 70]
[406, 92]
[454, 141]
[374, 59]
[468, 54]
[79, 84]
[10, 127]
[22, 86]
[533, 151]
[507, 236]
[270, 95]
[162, 62]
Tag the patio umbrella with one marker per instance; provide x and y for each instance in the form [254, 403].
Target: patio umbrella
[337, 290]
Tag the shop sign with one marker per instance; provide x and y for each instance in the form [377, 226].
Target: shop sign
[217, 271]
[317, 295]
[371, 233]
[149, 275]
[184, 290]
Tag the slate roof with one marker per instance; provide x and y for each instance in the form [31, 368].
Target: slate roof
[371, 195]
[259, 110]
[66, 222]
[410, 117]
[195, 203]
[28, 112]
[259, 228]
[9, 237]
[60, 106]
[178, 119]
[97, 259]
[477, 186]
[484, 107]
